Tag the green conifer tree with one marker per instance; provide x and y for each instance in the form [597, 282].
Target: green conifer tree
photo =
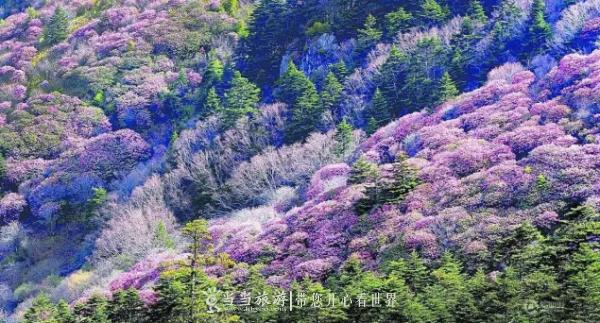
[476, 12]
[340, 70]
[63, 313]
[240, 100]
[397, 21]
[56, 29]
[212, 103]
[295, 89]
[369, 35]
[332, 90]
[197, 231]
[162, 236]
[417, 273]
[432, 12]
[94, 310]
[448, 89]
[540, 30]
[214, 71]
[270, 31]
[392, 78]
[42, 310]
[372, 126]
[404, 181]
[126, 306]
[343, 138]
[378, 110]
[362, 171]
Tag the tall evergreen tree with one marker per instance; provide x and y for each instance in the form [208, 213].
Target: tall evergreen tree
[379, 110]
[331, 93]
[448, 89]
[340, 70]
[417, 273]
[214, 71]
[240, 100]
[448, 296]
[392, 78]
[270, 31]
[231, 7]
[397, 21]
[63, 313]
[343, 138]
[369, 35]
[404, 181]
[424, 69]
[296, 90]
[94, 310]
[432, 12]
[372, 126]
[539, 30]
[362, 171]
[506, 33]
[126, 306]
[212, 103]
[476, 12]
[197, 231]
[42, 310]
[56, 29]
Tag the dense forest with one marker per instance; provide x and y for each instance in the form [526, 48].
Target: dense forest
[299, 161]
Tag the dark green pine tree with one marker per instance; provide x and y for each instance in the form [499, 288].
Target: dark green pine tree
[404, 181]
[212, 103]
[270, 31]
[457, 67]
[56, 29]
[397, 21]
[421, 85]
[448, 294]
[379, 111]
[63, 313]
[486, 301]
[300, 94]
[506, 33]
[362, 171]
[339, 70]
[476, 12]
[197, 231]
[369, 35]
[417, 273]
[42, 310]
[372, 126]
[582, 293]
[241, 99]
[448, 89]
[126, 306]
[178, 290]
[331, 93]
[94, 310]
[173, 301]
[343, 138]
[540, 30]
[432, 12]
[392, 78]
[465, 65]
[214, 72]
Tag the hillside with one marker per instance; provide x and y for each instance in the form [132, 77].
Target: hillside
[445, 152]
